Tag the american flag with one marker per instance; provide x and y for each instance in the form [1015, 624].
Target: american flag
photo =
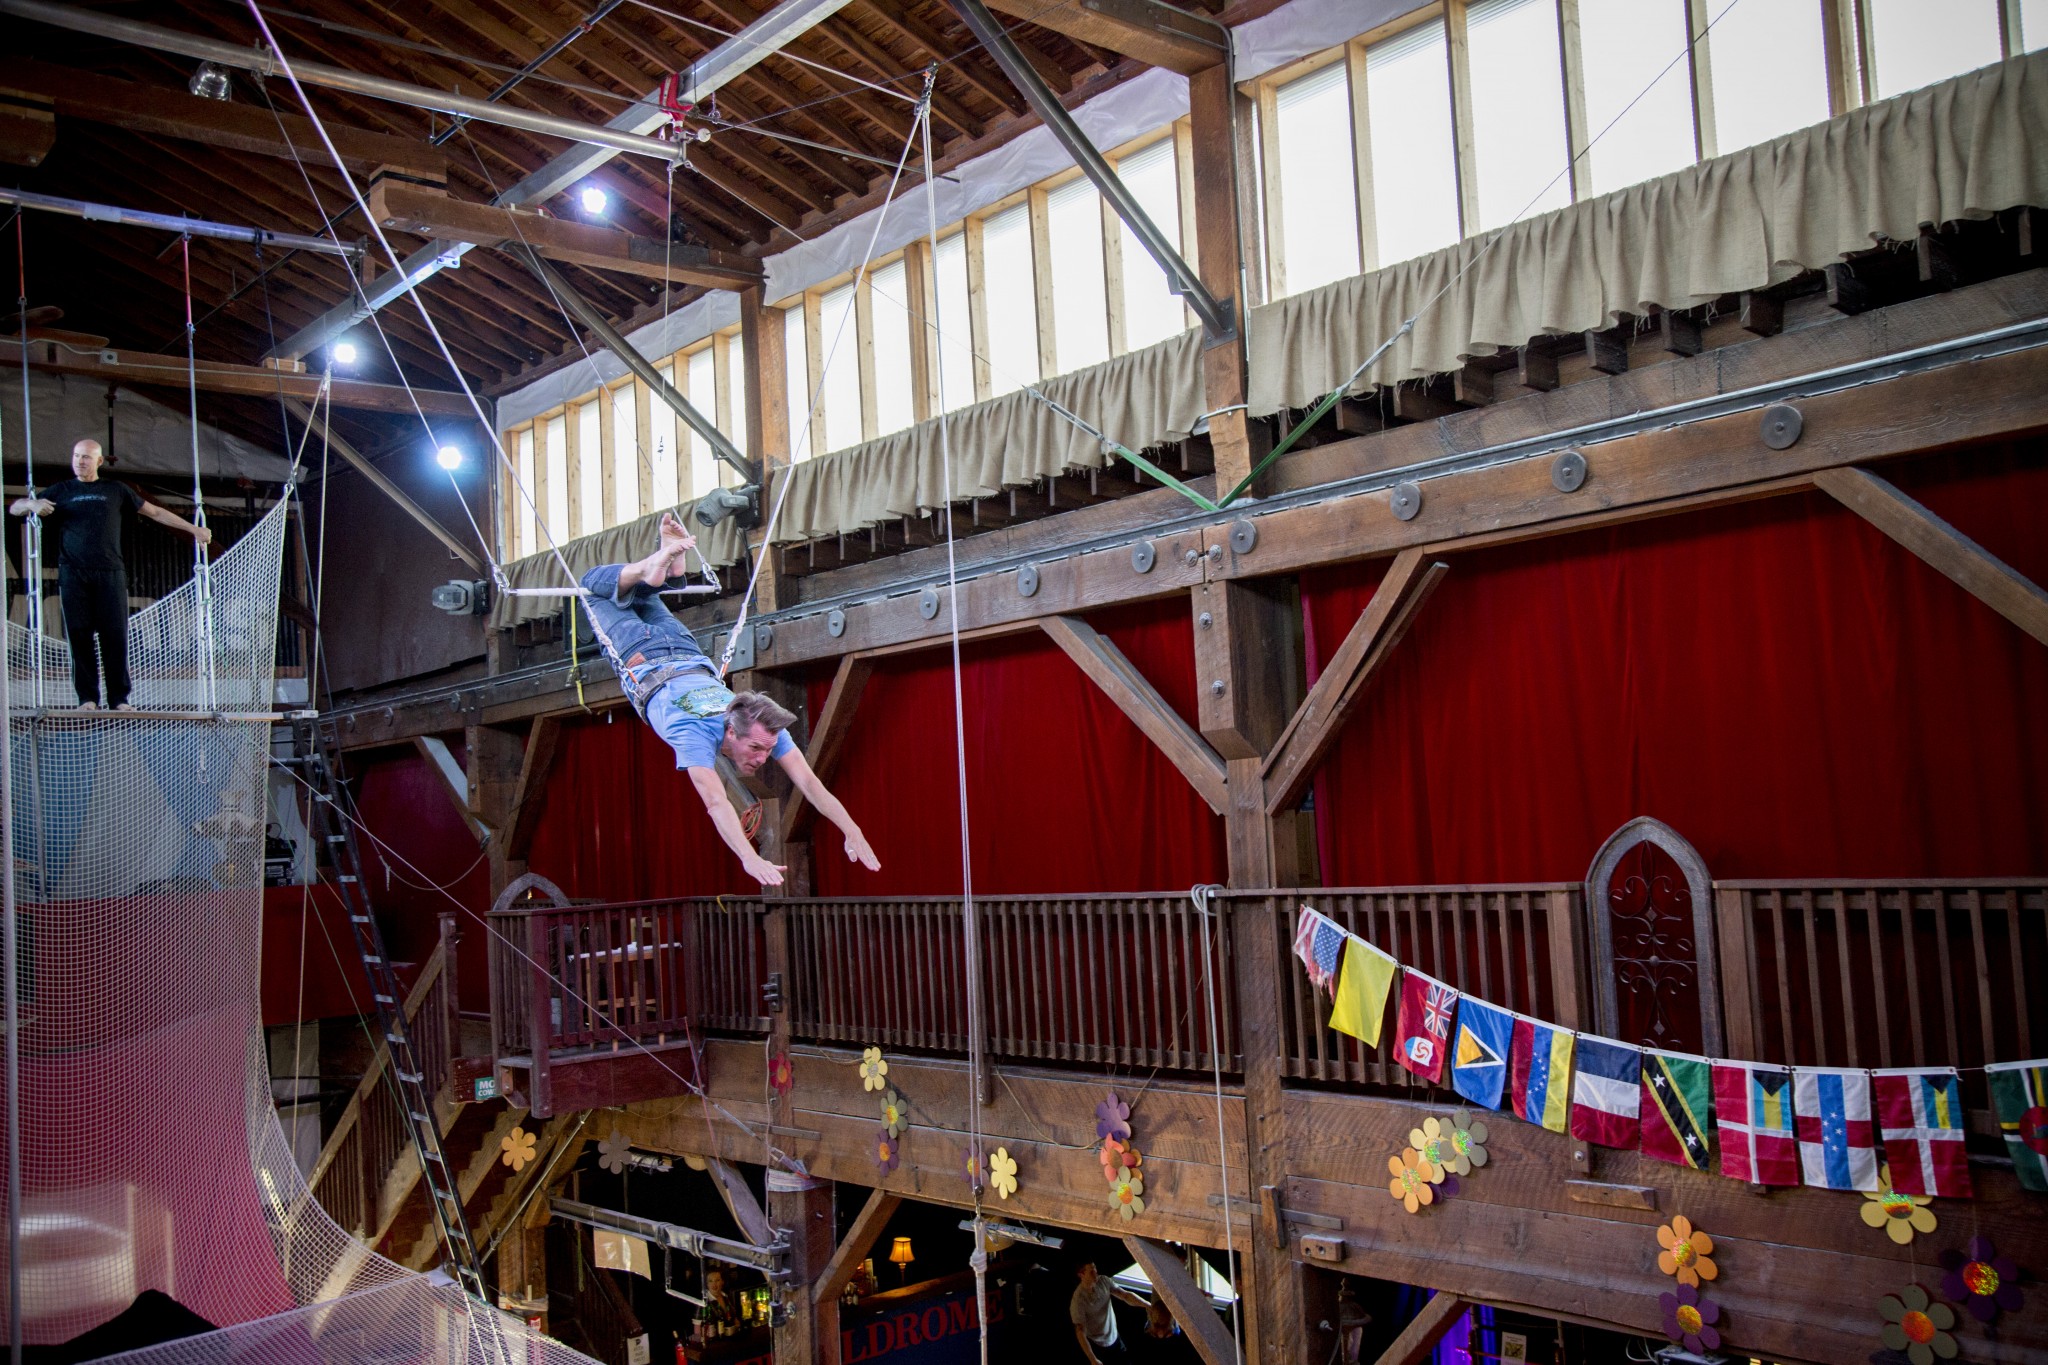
[1319, 943]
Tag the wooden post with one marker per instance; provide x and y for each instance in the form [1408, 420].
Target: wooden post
[805, 1216]
[1248, 673]
[495, 759]
[838, 1273]
[1219, 260]
[767, 408]
[1275, 1296]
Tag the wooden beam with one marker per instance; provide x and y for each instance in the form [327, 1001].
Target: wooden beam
[220, 376]
[412, 208]
[860, 1239]
[454, 781]
[1154, 33]
[542, 742]
[1316, 723]
[1106, 666]
[1188, 1301]
[1429, 1327]
[739, 1199]
[28, 127]
[1969, 565]
[828, 735]
[91, 98]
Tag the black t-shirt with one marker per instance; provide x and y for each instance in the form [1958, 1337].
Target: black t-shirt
[89, 522]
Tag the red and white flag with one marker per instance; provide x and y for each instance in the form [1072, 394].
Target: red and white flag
[1424, 1037]
[1753, 1109]
[1920, 1122]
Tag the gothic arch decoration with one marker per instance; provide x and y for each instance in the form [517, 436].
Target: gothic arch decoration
[1651, 906]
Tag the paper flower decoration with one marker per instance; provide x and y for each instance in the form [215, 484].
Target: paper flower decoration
[611, 1153]
[1468, 1142]
[1002, 1172]
[1690, 1319]
[895, 1114]
[1127, 1196]
[515, 1149]
[1112, 1155]
[1900, 1215]
[873, 1069]
[1916, 1325]
[888, 1151]
[1982, 1281]
[1113, 1119]
[974, 1168]
[1432, 1142]
[1686, 1254]
[781, 1075]
[1413, 1178]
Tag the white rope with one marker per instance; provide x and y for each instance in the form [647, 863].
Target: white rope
[202, 565]
[1202, 896]
[32, 525]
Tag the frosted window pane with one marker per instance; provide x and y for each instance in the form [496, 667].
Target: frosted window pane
[555, 528]
[841, 344]
[2033, 25]
[1626, 44]
[1080, 303]
[1318, 184]
[1918, 42]
[1414, 149]
[703, 396]
[522, 499]
[797, 364]
[955, 327]
[1769, 72]
[1518, 137]
[1151, 312]
[661, 448]
[736, 370]
[891, 321]
[1012, 295]
[627, 457]
[590, 468]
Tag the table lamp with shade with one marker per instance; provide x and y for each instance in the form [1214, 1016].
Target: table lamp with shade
[900, 1256]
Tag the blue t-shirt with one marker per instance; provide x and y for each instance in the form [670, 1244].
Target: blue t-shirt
[695, 738]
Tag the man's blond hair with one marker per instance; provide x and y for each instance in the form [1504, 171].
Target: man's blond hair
[749, 709]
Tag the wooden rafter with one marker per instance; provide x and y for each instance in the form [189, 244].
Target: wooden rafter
[1097, 656]
[828, 736]
[542, 743]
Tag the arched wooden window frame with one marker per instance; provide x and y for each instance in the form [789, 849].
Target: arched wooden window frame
[1607, 1005]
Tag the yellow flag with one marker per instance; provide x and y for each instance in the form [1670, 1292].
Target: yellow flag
[1362, 987]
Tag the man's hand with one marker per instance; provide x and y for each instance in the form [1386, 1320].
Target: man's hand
[857, 851]
[202, 536]
[42, 507]
[761, 870]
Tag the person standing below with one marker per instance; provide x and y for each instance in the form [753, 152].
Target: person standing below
[92, 580]
[1093, 1313]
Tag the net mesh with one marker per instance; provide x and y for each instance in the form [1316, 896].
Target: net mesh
[152, 1153]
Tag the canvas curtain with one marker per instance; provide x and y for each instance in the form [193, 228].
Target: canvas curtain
[1966, 148]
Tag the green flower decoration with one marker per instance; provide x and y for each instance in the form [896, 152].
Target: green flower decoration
[1468, 1141]
[895, 1114]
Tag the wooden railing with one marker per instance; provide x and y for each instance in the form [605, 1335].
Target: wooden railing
[372, 1138]
[1103, 980]
[1514, 946]
[1877, 974]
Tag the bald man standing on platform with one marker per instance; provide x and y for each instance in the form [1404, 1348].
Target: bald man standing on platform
[92, 578]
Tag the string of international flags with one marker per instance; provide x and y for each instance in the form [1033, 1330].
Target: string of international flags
[1777, 1125]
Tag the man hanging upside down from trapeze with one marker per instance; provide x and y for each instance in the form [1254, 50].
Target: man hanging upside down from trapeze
[674, 686]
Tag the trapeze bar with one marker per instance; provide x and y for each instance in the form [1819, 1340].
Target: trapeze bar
[170, 222]
[693, 589]
[704, 1245]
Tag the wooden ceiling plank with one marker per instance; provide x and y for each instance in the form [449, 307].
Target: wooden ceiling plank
[1143, 30]
[965, 64]
[837, 168]
[840, 31]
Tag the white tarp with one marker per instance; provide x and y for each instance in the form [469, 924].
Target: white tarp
[148, 437]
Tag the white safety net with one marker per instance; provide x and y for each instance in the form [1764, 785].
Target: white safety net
[152, 1154]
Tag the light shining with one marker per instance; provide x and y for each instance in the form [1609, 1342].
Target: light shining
[344, 353]
[448, 457]
[595, 200]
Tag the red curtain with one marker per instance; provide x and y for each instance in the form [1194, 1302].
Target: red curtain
[423, 863]
[1791, 690]
[1064, 793]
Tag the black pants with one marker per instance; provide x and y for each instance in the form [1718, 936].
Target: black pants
[96, 622]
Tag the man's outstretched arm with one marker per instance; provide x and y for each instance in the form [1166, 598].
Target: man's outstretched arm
[711, 791]
[829, 806]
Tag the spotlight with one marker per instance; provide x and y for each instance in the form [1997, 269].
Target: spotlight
[463, 598]
[209, 82]
[448, 457]
[594, 200]
[342, 353]
[721, 503]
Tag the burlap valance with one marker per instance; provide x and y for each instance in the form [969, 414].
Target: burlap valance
[1142, 399]
[1965, 148]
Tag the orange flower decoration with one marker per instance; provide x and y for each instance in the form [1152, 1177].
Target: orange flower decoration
[1414, 1179]
[1119, 1159]
[1686, 1254]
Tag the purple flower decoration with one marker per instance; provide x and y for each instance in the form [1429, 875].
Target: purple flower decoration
[1982, 1281]
[1690, 1319]
[888, 1150]
[1113, 1119]
[1447, 1188]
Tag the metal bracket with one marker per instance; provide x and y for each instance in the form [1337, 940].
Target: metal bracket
[742, 653]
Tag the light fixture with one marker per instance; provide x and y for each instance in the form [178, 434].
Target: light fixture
[342, 353]
[210, 82]
[721, 503]
[900, 1257]
[449, 457]
[594, 200]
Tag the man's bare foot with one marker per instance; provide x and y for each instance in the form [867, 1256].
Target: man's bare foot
[88, 706]
[126, 706]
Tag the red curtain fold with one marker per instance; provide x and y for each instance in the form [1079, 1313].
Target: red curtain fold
[1791, 690]
[422, 863]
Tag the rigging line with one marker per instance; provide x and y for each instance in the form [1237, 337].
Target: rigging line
[569, 992]
[775, 50]
[1202, 897]
[1330, 400]
[202, 573]
[817, 396]
[32, 524]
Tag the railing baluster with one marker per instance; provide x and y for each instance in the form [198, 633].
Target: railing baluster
[1974, 900]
